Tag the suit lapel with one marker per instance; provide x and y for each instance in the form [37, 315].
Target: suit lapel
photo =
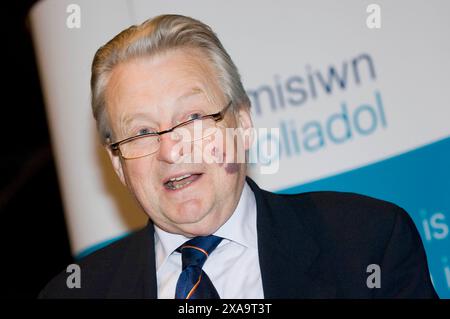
[289, 257]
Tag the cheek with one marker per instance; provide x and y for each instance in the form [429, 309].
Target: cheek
[222, 150]
[139, 175]
[219, 147]
[231, 168]
[226, 161]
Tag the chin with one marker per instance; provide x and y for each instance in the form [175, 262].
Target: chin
[188, 212]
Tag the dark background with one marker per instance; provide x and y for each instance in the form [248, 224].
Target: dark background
[35, 241]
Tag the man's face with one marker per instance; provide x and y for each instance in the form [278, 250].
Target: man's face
[155, 94]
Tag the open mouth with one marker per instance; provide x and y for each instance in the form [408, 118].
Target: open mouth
[181, 181]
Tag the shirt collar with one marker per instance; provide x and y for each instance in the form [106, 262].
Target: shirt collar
[239, 228]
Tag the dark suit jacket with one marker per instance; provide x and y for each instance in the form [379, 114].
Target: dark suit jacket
[311, 245]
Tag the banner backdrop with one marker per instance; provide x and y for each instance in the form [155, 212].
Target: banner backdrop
[357, 90]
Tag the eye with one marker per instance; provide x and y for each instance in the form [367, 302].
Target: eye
[194, 116]
[144, 131]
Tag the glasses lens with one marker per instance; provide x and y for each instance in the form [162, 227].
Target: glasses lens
[146, 145]
[195, 130]
[140, 147]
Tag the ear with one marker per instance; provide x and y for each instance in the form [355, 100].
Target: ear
[245, 122]
[116, 162]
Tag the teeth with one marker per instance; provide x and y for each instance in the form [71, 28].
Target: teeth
[171, 186]
[170, 183]
[179, 178]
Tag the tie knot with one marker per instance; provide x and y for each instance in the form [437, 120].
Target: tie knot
[195, 251]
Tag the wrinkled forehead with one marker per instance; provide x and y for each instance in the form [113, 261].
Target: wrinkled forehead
[165, 82]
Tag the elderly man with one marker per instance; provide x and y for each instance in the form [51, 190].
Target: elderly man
[166, 90]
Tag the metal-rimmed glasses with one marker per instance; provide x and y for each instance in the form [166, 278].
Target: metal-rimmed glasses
[148, 143]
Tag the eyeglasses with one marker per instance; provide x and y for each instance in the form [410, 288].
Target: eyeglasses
[148, 143]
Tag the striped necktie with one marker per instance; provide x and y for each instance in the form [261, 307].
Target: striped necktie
[193, 282]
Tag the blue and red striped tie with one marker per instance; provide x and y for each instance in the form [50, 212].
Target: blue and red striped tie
[193, 282]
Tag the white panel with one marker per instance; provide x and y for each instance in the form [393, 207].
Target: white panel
[97, 207]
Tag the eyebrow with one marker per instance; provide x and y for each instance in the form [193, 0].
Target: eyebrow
[145, 115]
[194, 91]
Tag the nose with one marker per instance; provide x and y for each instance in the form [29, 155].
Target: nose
[171, 148]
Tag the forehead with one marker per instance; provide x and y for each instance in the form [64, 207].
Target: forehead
[161, 81]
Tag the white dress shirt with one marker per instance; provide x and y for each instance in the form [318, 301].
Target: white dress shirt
[233, 266]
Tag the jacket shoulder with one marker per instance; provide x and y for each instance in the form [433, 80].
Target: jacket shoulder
[96, 270]
[345, 221]
[346, 209]
[340, 207]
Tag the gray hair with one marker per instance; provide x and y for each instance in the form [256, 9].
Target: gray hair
[156, 35]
